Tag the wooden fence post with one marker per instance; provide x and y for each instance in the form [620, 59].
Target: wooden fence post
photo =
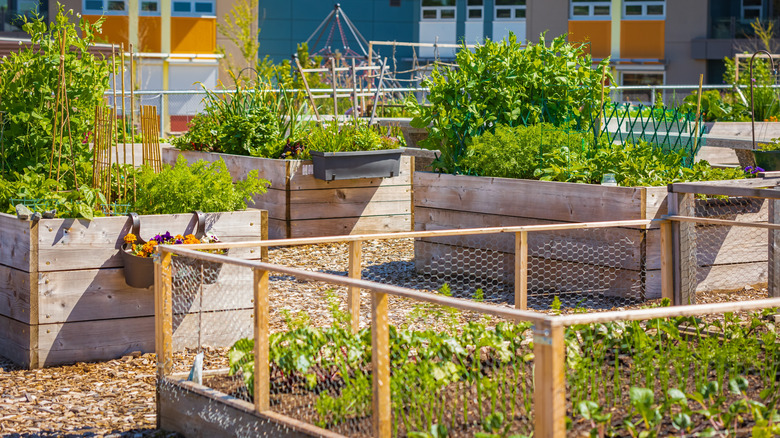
[773, 254]
[380, 364]
[521, 270]
[353, 293]
[163, 320]
[262, 372]
[667, 261]
[549, 381]
[163, 314]
[687, 251]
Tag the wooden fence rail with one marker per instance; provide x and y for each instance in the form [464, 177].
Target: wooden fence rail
[549, 350]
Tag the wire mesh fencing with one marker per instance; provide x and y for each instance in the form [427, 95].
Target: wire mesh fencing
[713, 373]
[727, 242]
[284, 342]
[312, 346]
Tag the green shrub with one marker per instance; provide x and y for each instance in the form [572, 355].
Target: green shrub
[509, 153]
[254, 133]
[28, 86]
[202, 186]
[505, 83]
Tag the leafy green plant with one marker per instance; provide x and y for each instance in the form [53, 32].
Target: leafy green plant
[29, 82]
[347, 138]
[507, 153]
[201, 186]
[505, 83]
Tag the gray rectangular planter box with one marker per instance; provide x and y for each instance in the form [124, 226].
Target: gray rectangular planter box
[330, 166]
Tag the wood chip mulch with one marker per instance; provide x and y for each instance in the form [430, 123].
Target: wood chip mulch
[117, 398]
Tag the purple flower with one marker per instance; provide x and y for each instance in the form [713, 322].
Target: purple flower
[749, 169]
[178, 242]
[758, 169]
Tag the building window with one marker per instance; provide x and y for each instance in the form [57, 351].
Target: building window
[150, 7]
[438, 10]
[510, 9]
[588, 9]
[12, 13]
[474, 9]
[193, 8]
[644, 9]
[752, 9]
[108, 7]
[640, 78]
[395, 3]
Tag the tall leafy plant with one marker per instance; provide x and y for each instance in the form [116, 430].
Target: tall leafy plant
[29, 82]
[504, 82]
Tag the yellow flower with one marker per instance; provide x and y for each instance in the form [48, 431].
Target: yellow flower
[130, 238]
[191, 239]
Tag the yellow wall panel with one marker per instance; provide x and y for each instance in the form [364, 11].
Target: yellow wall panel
[149, 34]
[642, 39]
[114, 28]
[193, 35]
[597, 33]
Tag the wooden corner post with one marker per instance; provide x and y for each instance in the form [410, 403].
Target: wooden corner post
[163, 320]
[549, 381]
[521, 270]
[667, 261]
[353, 293]
[163, 313]
[773, 254]
[380, 364]
[262, 372]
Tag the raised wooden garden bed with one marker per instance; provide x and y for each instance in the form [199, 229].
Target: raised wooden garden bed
[300, 205]
[448, 201]
[197, 411]
[63, 296]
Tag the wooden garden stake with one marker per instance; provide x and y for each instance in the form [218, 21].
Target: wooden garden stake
[262, 370]
[354, 94]
[132, 114]
[113, 91]
[335, 96]
[308, 90]
[521, 270]
[549, 381]
[603, 76]
[353, 294]
[380, 365]
[124, 125]
[667, 261]
[163, 314]
[698, 114]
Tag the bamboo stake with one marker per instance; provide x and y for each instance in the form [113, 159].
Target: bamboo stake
[132, 115]
[603, 76]
[124, 125]
[354, 94]
[335, 87]
[308, 90]
[698, 114]
[113, 91]
[95, 170]
[70, 133]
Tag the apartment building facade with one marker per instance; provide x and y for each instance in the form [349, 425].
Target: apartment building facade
[648, 41]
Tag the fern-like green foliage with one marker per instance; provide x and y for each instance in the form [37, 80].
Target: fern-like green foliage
[201, 186]
[549, 153]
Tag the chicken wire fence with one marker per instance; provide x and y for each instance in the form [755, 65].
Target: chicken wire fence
[726, 253]
[597, 268]
[454, 372]
[715, 374]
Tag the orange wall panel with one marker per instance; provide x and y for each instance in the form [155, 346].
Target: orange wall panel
[642, 39]
[149, 34]
[193, 35]
[114, 28]
[598, 33]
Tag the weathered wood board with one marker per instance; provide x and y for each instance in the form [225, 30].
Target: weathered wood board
[69, 301]
[300, 205]
[197, 411]
[449, 201]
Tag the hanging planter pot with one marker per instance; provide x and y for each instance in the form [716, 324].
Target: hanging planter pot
[331, 166]
[767, 160]
[139, 271]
